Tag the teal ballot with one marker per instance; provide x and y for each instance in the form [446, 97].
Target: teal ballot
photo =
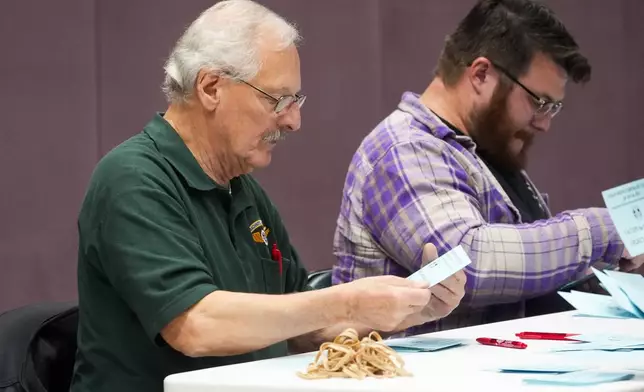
[422, 344]
[625, 205]
[595, 305]
[541, 368]
[626, 299]
[616, 289]
[583, 378]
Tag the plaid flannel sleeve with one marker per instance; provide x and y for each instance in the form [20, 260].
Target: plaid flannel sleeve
[420, 192]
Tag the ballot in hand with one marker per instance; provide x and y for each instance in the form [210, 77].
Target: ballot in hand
[629, 263]
[446, 295]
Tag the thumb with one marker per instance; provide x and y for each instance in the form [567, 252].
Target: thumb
[429, 254]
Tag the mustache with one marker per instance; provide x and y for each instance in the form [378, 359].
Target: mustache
[275, 136]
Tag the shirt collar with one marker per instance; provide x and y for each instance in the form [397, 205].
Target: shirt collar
[175, 151]
[434, 125]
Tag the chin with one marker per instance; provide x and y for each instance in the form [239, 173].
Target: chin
[260, 160]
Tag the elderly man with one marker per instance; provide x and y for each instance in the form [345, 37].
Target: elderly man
[182, 256]
[446, 168]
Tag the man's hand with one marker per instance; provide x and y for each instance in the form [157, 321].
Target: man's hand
[628, 263]
[383, 302]
[446, 295]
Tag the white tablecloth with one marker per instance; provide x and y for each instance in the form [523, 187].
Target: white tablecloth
[467, 368]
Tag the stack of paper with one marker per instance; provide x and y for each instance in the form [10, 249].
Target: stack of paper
[626, 298]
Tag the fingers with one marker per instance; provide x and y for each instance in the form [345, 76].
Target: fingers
[429, 254]
[455, 283]
[413, 297]
[398, 281]
[445, 295]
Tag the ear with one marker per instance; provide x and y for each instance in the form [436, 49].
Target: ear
[480, 74]
[208, 89]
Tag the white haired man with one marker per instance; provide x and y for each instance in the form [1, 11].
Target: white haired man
[182, 256]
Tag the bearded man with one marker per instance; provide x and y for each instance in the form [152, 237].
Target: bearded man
[447, 167]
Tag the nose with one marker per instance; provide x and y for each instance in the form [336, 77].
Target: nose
[291, 120]
[542, 123]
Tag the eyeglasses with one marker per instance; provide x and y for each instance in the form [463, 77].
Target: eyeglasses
[543, 106]
[283, 102]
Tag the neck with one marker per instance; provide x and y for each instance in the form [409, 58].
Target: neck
[210, 152]
[446, 103]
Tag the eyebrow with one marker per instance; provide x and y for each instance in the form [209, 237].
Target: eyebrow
[550, 98]
[285, 91]
[543, 95]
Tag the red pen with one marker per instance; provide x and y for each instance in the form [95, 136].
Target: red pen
[277, 256]
[546, 335]
[502, 343]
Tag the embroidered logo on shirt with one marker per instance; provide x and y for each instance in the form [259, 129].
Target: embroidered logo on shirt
[262, 235]
[257, 224]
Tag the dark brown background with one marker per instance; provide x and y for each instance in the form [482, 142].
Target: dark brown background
[79, 76]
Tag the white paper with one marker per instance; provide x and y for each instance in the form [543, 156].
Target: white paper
[443, 267]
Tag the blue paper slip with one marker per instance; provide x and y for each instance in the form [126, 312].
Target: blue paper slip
[626, 298]
[615, 290]
[582, 378]
[603, 342]
[632, 285]
[609, 338]
[625, 205]
[543, 368]
[599, 346]
[423, 344]
[403, 350]
[596, 305]
[443, 267]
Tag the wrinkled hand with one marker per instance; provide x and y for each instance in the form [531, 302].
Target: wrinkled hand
[628, 263]
[446, 296]
[383, 302]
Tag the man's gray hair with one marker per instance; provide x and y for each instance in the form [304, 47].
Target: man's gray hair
[226, 39]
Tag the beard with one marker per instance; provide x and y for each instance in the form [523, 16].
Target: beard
[494, 133]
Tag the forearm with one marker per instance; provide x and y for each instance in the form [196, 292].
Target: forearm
[229, 323]
[514, 262]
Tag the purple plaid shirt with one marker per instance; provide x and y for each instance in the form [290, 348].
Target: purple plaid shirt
[414, 181]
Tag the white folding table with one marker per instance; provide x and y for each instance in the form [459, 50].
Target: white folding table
[470, 367]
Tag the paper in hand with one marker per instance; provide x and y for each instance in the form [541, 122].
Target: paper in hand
[443, 267]
[625, 205]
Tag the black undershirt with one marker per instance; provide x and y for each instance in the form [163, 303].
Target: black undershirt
[515, 186]
[524, 199]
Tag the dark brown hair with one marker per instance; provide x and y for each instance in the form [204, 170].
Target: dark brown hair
[510, 33]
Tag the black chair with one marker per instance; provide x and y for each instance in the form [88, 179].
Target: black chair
[38, 347]
[320, 279]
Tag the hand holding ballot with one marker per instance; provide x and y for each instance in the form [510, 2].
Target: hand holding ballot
[629, 263]
[447, 282]
[626, 298]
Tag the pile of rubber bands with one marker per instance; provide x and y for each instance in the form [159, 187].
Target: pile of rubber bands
[349, 357]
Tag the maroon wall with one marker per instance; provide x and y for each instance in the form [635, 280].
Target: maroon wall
[79, 76]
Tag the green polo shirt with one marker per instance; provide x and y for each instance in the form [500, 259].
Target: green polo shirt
[156, 235]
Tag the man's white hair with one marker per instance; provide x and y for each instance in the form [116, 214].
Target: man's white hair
[226, 38]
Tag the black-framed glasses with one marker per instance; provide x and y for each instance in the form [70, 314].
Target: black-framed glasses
[283, 102]
[544, 107]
